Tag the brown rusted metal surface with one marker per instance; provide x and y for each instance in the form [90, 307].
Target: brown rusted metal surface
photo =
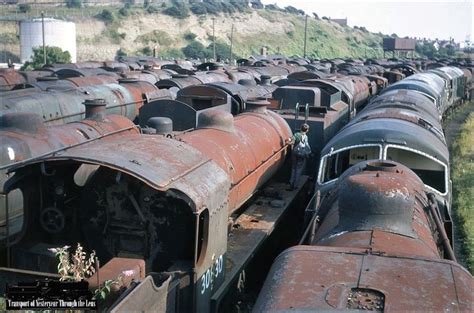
[355, 88]
[181, 167]
[9, 78]
[27, 136]
[236, 75]
[212, 77]
[325, 278]
[383, 202]
[24, 136]
[143, 92]
[122, 269]
[92, 80]
[148, 76]
[227, 141]
[384, 243]
[377, 249]
[393, 76]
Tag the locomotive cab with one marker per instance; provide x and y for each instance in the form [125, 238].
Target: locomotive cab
[120, 209]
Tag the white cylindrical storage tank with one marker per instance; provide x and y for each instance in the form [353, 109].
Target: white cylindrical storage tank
[58, 33]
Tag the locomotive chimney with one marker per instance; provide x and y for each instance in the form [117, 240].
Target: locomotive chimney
[256, 105]
[95, 109]
[265, 80]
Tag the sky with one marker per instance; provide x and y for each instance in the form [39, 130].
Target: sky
[440, 19]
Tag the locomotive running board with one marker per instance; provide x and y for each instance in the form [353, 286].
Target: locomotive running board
[255, 226]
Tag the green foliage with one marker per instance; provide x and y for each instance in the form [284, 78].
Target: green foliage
[222, 51]
[292, 10]
[198, 9]
[9, 38]
[124, 11]
[215, 7]
[24, 8]
[146, 51]
[102, 292]
[152, 9]
[426, 49]
[114, 35]
[429, 50]
[172, 53]
[156, 37]
[53, 55]
[76, 4]
[463, 188]
[273, 7]
[196, 50]
[179, 9]
[3, 305]
[76, 266]
[449, 50]
[189, 36]
[107, 16]
[121, 53]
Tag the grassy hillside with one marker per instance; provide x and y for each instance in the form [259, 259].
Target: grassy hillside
[137, 31]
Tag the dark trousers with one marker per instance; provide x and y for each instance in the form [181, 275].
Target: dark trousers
[298, 165]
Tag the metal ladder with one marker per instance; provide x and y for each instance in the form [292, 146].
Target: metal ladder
[297, 114]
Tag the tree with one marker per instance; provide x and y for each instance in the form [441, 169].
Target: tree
[196, 50]
[179, 9]
[146, 51]
[24, 8]
[107, 16]
[53, 55]
[124, 11]
[121, 53]
[189, 36]
[74, 4]
[222, 51]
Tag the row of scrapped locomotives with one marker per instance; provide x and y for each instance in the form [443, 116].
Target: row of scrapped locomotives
[64, 186]
[164, 197]
[380, 235]
[60, 99]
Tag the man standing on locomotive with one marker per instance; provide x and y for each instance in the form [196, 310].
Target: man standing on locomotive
[301, 151]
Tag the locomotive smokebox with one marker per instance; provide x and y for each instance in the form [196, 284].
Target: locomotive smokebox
[95, 109]
[382, 195]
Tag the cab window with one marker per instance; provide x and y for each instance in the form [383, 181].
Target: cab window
[336, 163]
[430, 171]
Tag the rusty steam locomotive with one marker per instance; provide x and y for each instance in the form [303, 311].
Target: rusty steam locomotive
[197, 188]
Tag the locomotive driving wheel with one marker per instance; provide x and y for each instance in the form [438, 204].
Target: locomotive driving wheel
[52, 220]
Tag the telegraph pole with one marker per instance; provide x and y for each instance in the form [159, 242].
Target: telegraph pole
[214, 37]
[44, 44]
[231, 43]
[305, 31]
